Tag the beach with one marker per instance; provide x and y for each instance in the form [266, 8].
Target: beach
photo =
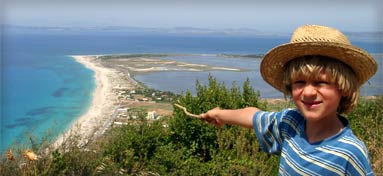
[103, 103]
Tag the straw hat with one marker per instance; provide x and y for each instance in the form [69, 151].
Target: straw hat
[316, 40]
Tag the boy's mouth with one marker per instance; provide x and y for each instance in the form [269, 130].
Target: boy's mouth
[311, 104]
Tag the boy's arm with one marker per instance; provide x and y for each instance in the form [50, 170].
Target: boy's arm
[219, 117]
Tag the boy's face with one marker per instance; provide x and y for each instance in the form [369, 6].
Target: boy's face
[316, 98]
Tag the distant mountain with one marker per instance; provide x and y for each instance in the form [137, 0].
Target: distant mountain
[182, 30]
[145, 30]
[372, 36]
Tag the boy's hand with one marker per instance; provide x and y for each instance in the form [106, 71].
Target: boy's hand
[212, 117]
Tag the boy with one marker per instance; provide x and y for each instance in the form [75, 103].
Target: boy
[322, 72]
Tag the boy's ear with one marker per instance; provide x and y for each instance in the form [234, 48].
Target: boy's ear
[343, 93]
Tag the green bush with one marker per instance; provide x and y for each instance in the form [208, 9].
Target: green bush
[366, 121]
[180, 145]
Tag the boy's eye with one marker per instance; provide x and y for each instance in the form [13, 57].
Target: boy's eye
[299, 82]
[321, 82]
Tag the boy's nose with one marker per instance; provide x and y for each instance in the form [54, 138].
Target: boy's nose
[309, 90]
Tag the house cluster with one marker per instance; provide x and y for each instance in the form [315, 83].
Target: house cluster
[128, 93]
[125, 94]
[125, 116]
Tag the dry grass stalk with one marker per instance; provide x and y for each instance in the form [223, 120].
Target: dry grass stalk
[209, 120]
[30, 155]
[186, 112]
[10, 155]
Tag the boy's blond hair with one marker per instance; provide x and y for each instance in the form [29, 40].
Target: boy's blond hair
[338, 73]
[317, 40]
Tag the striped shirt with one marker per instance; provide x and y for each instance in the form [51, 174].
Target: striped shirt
[284, 133]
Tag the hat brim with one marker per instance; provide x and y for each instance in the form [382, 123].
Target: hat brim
[274, 61]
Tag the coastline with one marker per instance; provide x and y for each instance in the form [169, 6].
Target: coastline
[102, 105]
[105, 102]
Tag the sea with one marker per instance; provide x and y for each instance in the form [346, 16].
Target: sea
[43, 90]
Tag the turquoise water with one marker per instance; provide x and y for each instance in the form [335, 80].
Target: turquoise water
[44, 89]
[37, 99]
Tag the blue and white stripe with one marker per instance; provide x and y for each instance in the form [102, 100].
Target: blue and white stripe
[284, 132]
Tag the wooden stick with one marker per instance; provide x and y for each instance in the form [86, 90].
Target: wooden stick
[186, 112]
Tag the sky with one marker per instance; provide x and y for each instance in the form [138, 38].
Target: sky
[268, 15]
